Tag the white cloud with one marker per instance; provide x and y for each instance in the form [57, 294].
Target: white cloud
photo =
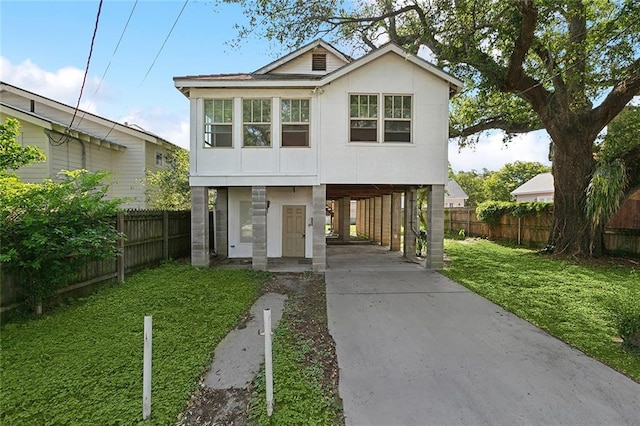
[62, 85]
[172, 127]
[491, 153]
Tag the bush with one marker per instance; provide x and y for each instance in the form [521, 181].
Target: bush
[626, 318]
[491, 211]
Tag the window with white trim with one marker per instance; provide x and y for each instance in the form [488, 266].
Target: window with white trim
[397, 118]
[218, 119]
[246, 222]
[295, 122]
[363, 114]
[256, 122]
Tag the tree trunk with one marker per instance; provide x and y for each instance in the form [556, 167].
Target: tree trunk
[573, 165]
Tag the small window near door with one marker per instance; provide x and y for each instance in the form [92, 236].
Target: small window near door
[246, 222]
[295, 122]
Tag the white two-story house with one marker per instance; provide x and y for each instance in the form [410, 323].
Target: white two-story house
[312, 126]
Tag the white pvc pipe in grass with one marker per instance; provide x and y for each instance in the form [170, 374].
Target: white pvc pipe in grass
[146, 370]
[268, 363]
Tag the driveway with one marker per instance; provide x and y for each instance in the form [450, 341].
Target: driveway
[415, 348]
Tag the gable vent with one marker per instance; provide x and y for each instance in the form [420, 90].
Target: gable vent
[319, 62]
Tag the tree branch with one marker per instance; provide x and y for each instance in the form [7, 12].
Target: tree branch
[495, 123]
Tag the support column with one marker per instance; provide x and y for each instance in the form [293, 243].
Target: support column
[367, 219]
[386, 220]
[319, 194]
[345, 219]
[200, 226]
[410, 223]
[259, 227]
[435, 227]
[396, 220]
[335, 220]
[377, 219]
[222, 222]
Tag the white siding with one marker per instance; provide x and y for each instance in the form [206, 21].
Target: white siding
[33, 135]
[423, 161]
[302, 64]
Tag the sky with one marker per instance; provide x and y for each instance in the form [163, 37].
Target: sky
[44, 47]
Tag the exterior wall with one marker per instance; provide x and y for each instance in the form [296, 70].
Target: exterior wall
[276, 197]
[126, 167]
[541, 196]
[302, 64]
[238, 166]
[454, 202]
[31, 134]
[422, 161]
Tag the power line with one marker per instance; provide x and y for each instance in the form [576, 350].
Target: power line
[86, 71]
[165, 41]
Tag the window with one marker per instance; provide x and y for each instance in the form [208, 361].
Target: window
[397, 118]
[319, 62]
[363, 112]
[295, 122]
[246, 223]
[159, 159]
[256, 115]
[218, 118]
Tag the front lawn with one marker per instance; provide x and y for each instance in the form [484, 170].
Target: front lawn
[573, 302]
[82, 364]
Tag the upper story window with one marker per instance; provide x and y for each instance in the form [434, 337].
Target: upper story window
[295, 122]
[363, 113]
[319, 62]
[218, 119]
[159, 159]
[256, 126]
[397, 118]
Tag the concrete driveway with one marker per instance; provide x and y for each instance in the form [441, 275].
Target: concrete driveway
[415, 348]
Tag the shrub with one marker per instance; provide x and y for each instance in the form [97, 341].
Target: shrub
[626, 318]
[491, 211]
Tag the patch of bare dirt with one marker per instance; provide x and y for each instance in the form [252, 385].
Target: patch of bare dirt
[306, 311]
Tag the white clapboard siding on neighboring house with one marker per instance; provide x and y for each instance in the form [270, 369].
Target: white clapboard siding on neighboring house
[94, 143]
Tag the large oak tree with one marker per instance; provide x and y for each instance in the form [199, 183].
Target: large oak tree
[566, 66]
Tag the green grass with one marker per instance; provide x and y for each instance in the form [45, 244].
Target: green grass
[573, 302]
[82, 364]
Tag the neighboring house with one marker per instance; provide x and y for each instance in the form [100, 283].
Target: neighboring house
[454, 195]
[93, 143]
[312, 126]
[538, 188]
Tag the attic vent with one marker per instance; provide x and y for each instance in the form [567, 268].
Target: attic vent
[319, 62]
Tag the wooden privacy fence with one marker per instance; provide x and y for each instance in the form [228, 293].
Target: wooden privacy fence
[152, 236]
[529, 231]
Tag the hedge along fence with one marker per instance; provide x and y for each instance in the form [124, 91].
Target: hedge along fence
[152, 236]
[532, 230]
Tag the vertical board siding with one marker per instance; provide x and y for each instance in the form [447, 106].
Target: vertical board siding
[534, 230]
[143, 247]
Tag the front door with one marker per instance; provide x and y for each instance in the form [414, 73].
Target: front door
[293, 231]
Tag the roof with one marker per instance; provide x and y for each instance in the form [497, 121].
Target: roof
[453, 190]
[308, 80]
[135, 131]
[542, 183]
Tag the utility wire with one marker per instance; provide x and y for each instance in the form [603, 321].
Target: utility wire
[86, 71]
[165, 42]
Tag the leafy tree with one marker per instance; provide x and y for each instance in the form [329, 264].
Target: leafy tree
[567, 66]
[473, 184]
[12, 154]
[168, 189]
[498, 185]
[50, 230]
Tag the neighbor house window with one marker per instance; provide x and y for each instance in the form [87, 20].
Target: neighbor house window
[363, 113]
[159, 159]
[397, 118]
[256, 116]
[246, 223]
[218, 118]
[295, 122]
